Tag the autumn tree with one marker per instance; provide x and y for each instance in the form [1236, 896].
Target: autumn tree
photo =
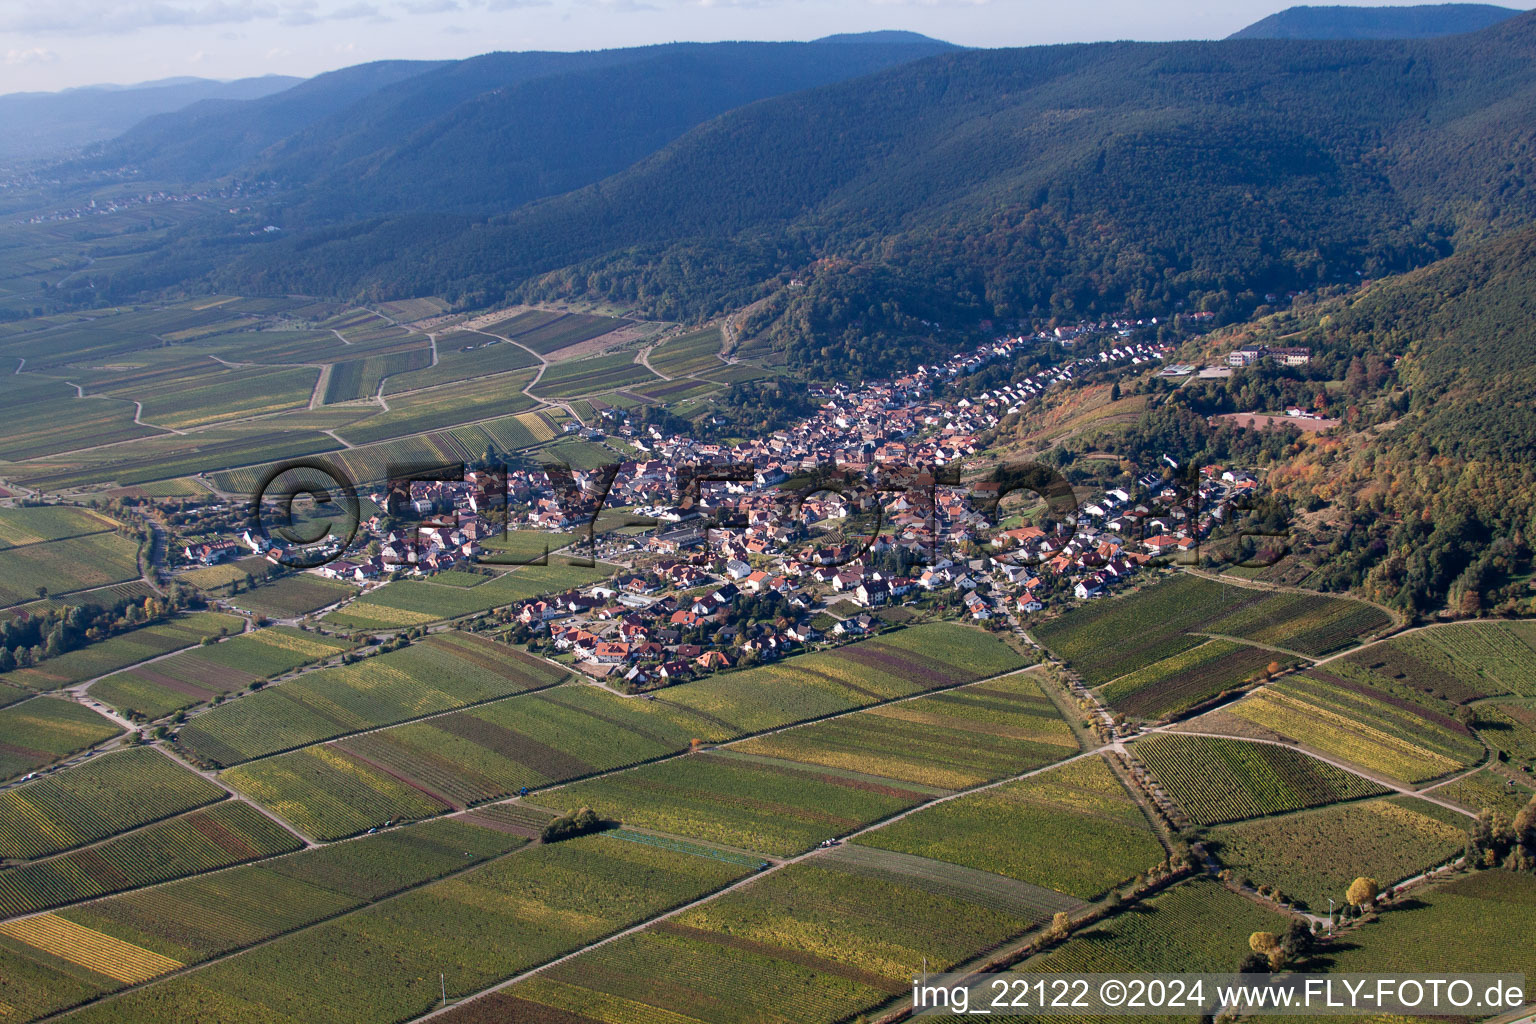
[1362, 892]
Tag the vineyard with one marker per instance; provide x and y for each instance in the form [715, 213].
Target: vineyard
[100, 798]
[124, 649]
[1217, 780]
[688, 353]
[327, 794]
[774, 809]
[294, 595]
[594, 375]
[63, 566]
[485, 753]
[1195, 926]
[1395, 736]
[38, 524]
[439, 673]
[1487, 790]
[42, 730]
[199, 675]
[383, 963]
[896, 664]
[462, 356]
[1109, 639]
[1177, 683]
[952, 740]
[1483, 922]
[814, 942]
[413, 602]
[1074, 829]
[223, 835]
[1314, 855]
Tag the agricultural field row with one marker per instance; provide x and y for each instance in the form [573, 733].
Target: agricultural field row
[592, 376]
[1314, 855]
[295, 595]
[169, 456]
[1074, 828]
[198, 393]
[492, 751]
[196, 676]
[546, 332]
[1111, 638]
[360, 378]
[195, 919]
[778, 809]
[62, 566]
[1217, 780]
[387, 962]
[220, 836]
[688, 353]
[952, 740]
[815, 942]
[900, 663]
[464, 758]
[40, 731]
[97, 799]
[439, 673]
[46, 417]
[462, 356]
[123, 649]
[1184, 680]
[445, 406]
[1365, 726]
[23, 525]
[1487, 790]
[414, 602]
[1459, 662]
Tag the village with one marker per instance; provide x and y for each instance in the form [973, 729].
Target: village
[849, 520]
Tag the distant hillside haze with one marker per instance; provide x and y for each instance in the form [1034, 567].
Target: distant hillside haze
[503, 128]
[39, 125]
[1420, 22]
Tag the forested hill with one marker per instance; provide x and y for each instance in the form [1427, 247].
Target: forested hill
[491, 131]
[1429, 485]
[1418, 22]
[1002, 183]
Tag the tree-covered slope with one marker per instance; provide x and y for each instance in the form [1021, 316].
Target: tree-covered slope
[1422, 21]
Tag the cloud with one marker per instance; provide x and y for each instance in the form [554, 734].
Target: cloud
[430, 6]
[30, 55]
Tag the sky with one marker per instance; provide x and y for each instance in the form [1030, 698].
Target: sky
[54, 44]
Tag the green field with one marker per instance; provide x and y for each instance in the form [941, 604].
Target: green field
[594, 375]
[294, 595]
[37, 524]
[1075, 829]
[325, 794]
[124, 649]
[1486, 790]
[1483, 922]
[1197, 925]
[219, 836]
[43, 730]
[63, 566]
[462, 356]
[1314, 855]
[198, 918]
[954, 740]
[1395, 736]
[414, 602]
[688, 353]
[1108, 639]
[445, 406]
[439, 673]
[900, 663]
[383, 963]
[1459, 662]
[545, 331]
[1218, 780]
[774, 809]
[815, 942]
[466, 758]
[199, 675]
[1183, 680]
[92, 801]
